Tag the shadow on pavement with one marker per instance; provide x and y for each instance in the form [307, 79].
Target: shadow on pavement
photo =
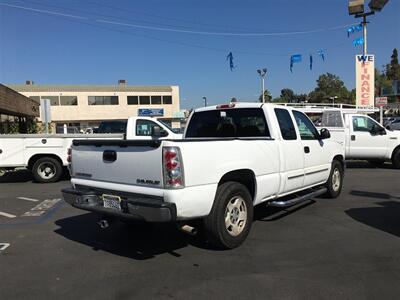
[356, 164]
[16, 176]
[373, 195]
[139, 241]
[24, 175]
[385, 218]
[142, 241]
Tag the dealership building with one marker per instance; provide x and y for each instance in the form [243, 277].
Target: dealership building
[83, 106]
[17, 112]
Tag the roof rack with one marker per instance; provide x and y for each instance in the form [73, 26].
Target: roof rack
[321, 107]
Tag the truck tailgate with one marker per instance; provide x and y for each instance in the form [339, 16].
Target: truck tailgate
[133, 162]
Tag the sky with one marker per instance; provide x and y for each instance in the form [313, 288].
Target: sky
[186, 42]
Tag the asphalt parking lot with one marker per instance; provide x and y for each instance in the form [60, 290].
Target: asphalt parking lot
[347, 248]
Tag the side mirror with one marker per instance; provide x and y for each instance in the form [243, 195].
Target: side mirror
[156, 131]
[377, 130]
[324, 134]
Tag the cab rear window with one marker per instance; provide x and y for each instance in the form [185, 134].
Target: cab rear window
[229, 123]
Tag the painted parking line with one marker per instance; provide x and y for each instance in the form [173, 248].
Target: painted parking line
[28, 199]
[41, 208]
[4, 246]
[7, 215]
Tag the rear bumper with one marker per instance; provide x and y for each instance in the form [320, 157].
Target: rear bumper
[133, 206]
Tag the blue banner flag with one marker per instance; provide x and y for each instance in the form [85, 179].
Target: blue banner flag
[353, 29]
[321, 54]
[311, 61]
[230, 58]
[296, 58]
[358, 42]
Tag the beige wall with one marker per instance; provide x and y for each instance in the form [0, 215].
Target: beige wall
[85, 112]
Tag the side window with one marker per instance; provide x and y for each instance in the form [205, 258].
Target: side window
[306, 127]
[286, 124]
[364, 124]
[145, 128]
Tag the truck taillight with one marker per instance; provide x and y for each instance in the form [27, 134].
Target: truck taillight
[69, 155]
[173, 168]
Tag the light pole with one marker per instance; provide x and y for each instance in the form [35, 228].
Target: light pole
[333, 100]
[263, 74]
[356, 8]
[205, 101]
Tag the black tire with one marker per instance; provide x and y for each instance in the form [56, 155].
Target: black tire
[334, 190]
[216, 231]
[396, 159]
[40, 167]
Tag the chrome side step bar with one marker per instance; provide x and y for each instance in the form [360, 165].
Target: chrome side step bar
[297, 200]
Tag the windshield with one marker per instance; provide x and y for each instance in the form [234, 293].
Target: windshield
[243, 122]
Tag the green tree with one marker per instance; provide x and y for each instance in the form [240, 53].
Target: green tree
[267, 96]
[393, 69]
[287, 95]
[329, 85]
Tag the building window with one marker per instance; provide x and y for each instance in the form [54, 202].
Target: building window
[68, 100]
[144, 99]
[133, 100]
[54, 100]
[155, 99]
[167, 99]
[103, 100]
[35, 98]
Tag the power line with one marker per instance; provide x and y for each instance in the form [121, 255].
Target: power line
[102, 15]
[222, 33]
[248, 34]
[76, 18]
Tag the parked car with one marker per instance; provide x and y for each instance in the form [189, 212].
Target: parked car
[394, 124]
[231, 158]
[361, 136]
[46, 154]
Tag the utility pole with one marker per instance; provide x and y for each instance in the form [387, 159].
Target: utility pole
[205, 101]
[263, 74]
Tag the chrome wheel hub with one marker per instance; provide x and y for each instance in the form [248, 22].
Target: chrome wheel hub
[336, 180]
[46, 170]
[235, 216]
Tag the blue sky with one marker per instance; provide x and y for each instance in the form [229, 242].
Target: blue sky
[51, 49]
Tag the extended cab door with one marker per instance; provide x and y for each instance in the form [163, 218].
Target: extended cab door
[292, 156]
[368, 139]
[316, 161]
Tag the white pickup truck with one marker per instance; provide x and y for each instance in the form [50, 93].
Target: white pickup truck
[45, 155]
[362, 137]
[231, 158]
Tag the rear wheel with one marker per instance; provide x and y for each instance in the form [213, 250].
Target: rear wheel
[396, 159]
[46, 170]
[229, 221]
[335, 181]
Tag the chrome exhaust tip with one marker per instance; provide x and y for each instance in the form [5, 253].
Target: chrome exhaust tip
[103, 224]
[188, 229]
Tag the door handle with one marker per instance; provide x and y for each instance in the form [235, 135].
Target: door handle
[353, 137]
[306, 149]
